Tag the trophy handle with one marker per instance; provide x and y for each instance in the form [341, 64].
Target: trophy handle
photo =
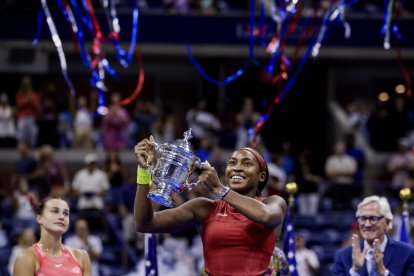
[191, 185]
[158, 150]
[198, 166]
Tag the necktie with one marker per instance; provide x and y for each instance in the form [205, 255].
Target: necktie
[371, 260]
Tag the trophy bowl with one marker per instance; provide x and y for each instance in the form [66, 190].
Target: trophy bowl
[174, 164]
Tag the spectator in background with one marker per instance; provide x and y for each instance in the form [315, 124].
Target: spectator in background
[340, 169]
[166, 128]
[115, 124]
[144, 115]
[357, 112]
[7, 127]
[202, 122]
[26, 166]
[306, 259]
[23, 201]
[115, 173]
[26, 239]
[91, 184]
[228, 130]
[399, 119]
[376, 253]
[92, 244]
[288, 161]
[65, 121]
[400, 166]
[126, 210]
[51, 175]
[205, 149]
[47, 123]
[27, 107]
[82, 125]
[308, 184]
[277, 177]
[357, 153]
[246, 119]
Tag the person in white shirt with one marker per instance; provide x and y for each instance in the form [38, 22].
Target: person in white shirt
[7, 125]
[90, 243]
[307, 262]
[91, 183]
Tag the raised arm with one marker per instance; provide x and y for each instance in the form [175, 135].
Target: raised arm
[171, 220]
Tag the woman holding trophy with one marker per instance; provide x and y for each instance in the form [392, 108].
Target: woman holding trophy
[239, 230]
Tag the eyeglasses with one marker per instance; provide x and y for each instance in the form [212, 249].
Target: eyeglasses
[373, 219]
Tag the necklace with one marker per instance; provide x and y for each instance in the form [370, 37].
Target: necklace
[49, 251]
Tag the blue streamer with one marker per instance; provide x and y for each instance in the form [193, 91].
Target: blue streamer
[84, 18]
[70, 17]
[39, 27]
[240, 71]
[271, 65]
[224, 82]
[109, 69]
[292, 80]
[124, 58]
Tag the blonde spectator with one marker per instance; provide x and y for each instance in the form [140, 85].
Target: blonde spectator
[26, 239]
[7, 127]
[83, 125]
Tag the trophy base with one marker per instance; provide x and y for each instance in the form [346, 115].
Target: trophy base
[161, 199]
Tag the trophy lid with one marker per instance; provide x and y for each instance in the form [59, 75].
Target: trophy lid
[184, 144]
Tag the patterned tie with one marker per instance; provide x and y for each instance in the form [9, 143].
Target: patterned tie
[371, 260]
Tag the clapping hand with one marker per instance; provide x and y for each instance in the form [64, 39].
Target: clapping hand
[358, 256]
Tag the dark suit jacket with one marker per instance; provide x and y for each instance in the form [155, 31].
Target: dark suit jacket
[398, 259]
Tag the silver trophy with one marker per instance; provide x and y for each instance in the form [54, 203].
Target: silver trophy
[174, 164]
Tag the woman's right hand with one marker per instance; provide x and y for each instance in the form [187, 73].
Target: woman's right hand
[144, 151]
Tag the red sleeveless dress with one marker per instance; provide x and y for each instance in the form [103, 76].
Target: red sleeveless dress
[235, 245]
[64, 265]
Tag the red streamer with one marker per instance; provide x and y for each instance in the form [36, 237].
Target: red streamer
[140, 83]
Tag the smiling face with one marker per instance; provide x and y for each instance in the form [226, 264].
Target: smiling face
[54, 216]
[242, 172]
[371, 231]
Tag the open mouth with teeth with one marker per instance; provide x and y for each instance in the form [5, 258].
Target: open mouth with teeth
[237, 177]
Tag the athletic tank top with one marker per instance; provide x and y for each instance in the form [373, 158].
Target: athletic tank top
[234, 244]
[64, 265]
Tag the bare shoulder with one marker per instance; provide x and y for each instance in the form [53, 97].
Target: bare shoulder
[79, 254]
[275, 199]
[26, 263]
